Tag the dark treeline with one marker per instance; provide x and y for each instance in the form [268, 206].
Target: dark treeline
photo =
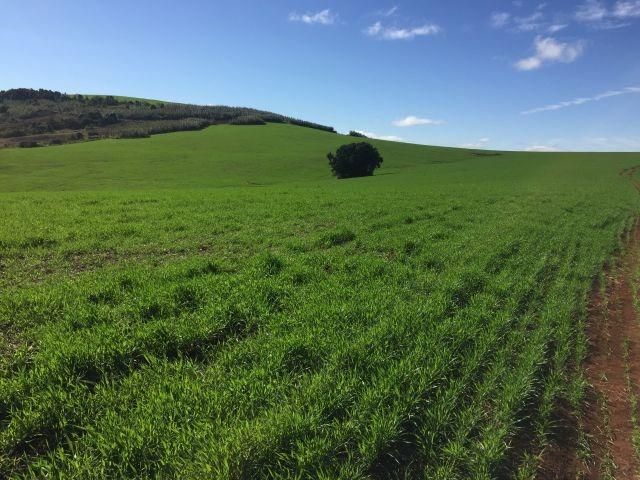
[354, 133]
[49, 115]
[30, 94]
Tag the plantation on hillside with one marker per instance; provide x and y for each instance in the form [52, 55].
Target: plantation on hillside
[32, 118]
[212, 304]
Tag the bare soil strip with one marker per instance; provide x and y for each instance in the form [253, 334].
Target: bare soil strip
[599, 444]
[612, 322]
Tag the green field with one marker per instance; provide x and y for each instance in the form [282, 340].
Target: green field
[216, 157]
[214, 304]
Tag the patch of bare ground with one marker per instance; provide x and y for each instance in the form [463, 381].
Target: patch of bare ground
[631, 172]
[598, 443]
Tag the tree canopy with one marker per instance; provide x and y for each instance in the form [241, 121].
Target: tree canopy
[355, 160]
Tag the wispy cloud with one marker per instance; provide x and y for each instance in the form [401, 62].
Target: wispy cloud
[627, 9]
[500, 19]
[591, 11]
[622, 144]
[542, 148]
[396, 33]
[583, 100]
[549, 50]
[595, 14]
[528, 23]
[389, 12]
[584, 144]
[557, 27]
[324, 17]
[390, 138]
[412, 121]
[598, 14]
[480, 143]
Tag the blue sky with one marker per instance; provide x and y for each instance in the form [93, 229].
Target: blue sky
[497, 74]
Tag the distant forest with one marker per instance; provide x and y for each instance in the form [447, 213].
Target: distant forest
[31, 118]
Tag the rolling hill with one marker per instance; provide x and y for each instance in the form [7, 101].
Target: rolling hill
[35, 118]
[214, 304]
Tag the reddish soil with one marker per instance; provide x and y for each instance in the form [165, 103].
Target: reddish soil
[630, 172]
[606, 419]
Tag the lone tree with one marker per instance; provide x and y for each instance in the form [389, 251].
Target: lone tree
[355, 160]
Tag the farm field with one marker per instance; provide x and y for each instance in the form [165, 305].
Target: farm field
[213, 304]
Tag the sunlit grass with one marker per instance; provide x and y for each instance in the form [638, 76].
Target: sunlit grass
[410, 324]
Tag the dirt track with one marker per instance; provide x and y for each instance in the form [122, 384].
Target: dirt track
[598, 444]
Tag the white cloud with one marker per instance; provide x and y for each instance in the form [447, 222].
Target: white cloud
[390, 12]
[480, 143]
[389, 138]
[585, 144]
[529, 23]
[626, 9]
[591, 11]
[530, 63]
[581, 100]
[598, 15]
[542, 148]
[500, 19]
[393, 33]
[557, 27]
[623, 144]
[412, 121]
[549, 50]
[374, 29]
[324, 17]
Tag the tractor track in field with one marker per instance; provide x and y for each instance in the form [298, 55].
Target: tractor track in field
[598, 443]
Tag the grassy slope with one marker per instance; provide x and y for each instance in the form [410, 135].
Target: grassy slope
[219, 156]
[121, 98]
[346, 329]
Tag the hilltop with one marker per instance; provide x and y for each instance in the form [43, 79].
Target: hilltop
[32, 118]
